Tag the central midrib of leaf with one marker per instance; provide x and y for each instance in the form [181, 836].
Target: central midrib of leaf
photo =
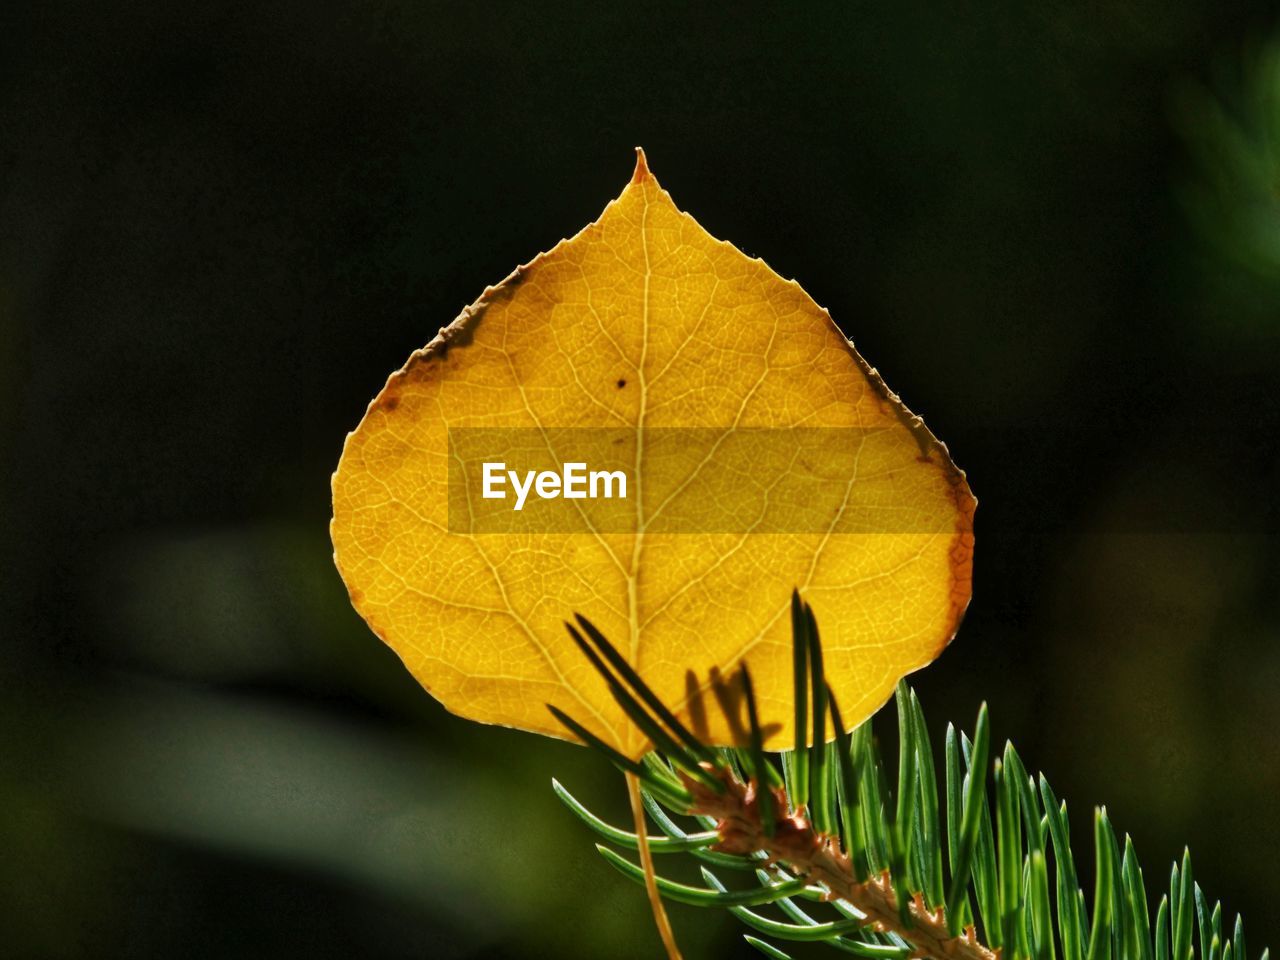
[637, 547]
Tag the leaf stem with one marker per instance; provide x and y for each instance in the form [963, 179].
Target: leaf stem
[646, 862]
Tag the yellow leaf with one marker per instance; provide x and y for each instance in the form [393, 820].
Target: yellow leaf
[763, 453]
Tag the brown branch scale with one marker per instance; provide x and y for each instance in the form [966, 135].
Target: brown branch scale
[796, 845]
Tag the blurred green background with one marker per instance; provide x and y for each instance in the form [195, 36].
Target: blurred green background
[1054, 228]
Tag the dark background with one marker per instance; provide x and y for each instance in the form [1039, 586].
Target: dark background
[1053, 228]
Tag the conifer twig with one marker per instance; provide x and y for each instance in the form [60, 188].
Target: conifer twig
[793, 841]
[878, 859]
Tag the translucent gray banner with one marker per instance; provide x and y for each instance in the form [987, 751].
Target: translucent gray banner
[704, 480]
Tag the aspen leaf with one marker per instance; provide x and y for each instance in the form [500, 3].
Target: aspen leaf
[762, 454]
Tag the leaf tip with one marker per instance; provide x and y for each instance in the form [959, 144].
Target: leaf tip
[642, 168]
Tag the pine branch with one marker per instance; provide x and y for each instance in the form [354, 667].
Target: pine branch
[829, 829]
[819, 858]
